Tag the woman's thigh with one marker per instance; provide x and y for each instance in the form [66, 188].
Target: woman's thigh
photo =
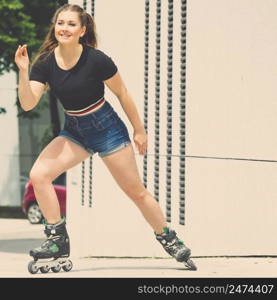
[58, 156]
[123, 167]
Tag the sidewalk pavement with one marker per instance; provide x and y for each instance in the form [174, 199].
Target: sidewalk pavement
[17, 236]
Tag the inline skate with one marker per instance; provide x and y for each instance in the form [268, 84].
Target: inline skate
[175, 247]
[54, 252]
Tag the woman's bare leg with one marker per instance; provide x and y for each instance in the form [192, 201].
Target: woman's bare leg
[58, 156]
[123, 167]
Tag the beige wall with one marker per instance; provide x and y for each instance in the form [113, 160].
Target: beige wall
[231, 113]
[231, 109]
[232, 73]
[9, 143]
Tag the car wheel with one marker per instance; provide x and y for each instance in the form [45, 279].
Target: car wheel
[34, 214]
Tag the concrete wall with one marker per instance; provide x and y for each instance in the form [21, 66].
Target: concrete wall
[9, 149]
[231, 113]
[231, 168]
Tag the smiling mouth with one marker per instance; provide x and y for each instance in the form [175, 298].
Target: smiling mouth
[64, 36]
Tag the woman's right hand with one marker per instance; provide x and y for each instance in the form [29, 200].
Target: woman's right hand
[21, 58]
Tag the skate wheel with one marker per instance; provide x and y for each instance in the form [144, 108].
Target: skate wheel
[44, 269]
[56, 269]
[190, 264]
[32, 267]
[68, 266]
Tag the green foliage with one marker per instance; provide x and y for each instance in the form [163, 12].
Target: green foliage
[23, 22]
[15, 28]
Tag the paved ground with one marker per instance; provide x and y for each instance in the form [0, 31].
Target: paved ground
[17, 236]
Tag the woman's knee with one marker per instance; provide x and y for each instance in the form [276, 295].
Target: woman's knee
[38, 176]
[140, 195]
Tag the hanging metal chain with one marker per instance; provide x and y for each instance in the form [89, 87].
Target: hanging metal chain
[91, 157]
[169, 109]
[92, 7]
[83, 163]
[90, 180]
[157, 101]
[182, 114]
[83, 184]
[146, 68]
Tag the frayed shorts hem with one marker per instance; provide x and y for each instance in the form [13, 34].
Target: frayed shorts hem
[111, 151]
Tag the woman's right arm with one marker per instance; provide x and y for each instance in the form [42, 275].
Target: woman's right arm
[29, 92]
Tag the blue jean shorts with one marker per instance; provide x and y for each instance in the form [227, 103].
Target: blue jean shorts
[101, 131]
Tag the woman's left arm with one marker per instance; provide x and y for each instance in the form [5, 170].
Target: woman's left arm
[117, 86]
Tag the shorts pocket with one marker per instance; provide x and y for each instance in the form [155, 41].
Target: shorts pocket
[105, 122]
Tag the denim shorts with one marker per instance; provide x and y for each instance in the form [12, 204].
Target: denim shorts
[101, 131]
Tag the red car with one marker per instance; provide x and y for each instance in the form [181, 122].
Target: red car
[29, 203]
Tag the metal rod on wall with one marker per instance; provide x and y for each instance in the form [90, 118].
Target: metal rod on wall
[146, 68]
[182, 114]
[157, 101]
[169, 108]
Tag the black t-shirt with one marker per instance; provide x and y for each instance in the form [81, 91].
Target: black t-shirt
[80, 86]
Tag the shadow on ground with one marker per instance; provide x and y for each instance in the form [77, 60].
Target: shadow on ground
[142, 267]
[19, 245]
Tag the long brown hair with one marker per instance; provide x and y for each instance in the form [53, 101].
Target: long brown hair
[50, 42]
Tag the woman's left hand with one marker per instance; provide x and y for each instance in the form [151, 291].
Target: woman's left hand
[140, 139]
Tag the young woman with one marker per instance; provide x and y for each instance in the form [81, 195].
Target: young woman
[70, 63]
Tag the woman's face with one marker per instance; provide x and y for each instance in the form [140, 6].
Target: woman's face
[68, 28]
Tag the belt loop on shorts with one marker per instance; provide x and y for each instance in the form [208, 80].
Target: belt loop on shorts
[87, 110]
